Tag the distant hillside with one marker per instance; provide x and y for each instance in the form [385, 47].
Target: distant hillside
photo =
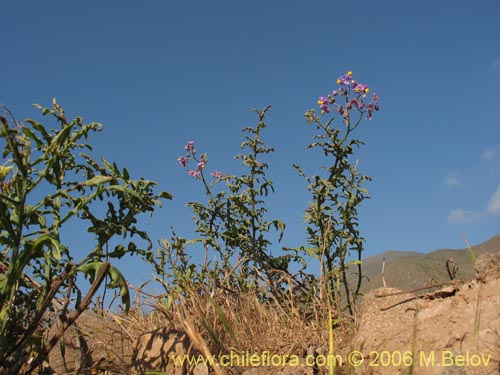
[411, 269]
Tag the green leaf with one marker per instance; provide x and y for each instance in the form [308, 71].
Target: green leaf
[41, 130]
[63, 135]
[165, 195]
[124, 190]
[90, 270]
[4, 171]
[118, 252]
[97, 180]
[169, 303]
[118, 281]
[225, 322]
[29, 134]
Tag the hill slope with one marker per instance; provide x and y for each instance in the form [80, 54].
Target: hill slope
[410, 269]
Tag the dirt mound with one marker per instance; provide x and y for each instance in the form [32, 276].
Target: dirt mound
[455, 330]
[94, 344]
[154, 350]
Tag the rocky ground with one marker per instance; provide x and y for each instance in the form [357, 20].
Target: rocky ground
[455, 330]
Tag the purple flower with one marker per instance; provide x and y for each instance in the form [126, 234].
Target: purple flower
[323, 104]
[361, 88]
[200, 165]
[345, 79]
[324, 109]
[355, 94]
[195, 173]
[370, 107]
[322, 100]
[216, 174]
[182, 160]
[190, 148]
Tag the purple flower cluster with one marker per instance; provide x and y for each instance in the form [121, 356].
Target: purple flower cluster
[200, 163]
[349, 86]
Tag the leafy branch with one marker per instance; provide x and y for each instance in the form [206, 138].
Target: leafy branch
[46, 183]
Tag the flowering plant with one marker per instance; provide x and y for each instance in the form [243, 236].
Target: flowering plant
[232, 222]
[201, 162]
[332, 214]
[354, 94]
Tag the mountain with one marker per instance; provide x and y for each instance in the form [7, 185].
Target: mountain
[410, 269]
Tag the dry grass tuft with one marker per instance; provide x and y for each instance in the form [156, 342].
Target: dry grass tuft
[224, 322]
[217, 323]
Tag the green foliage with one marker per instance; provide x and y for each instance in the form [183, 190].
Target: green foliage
[233, 224]
[47, 180]
[332, 215]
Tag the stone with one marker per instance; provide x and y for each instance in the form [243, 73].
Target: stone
[155, 351]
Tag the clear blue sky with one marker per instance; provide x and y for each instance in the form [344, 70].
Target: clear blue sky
[160, 73]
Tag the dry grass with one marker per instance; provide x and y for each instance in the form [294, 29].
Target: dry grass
[217, 323]
[244, 323]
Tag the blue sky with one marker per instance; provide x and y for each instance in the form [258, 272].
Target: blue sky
[160, 73]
